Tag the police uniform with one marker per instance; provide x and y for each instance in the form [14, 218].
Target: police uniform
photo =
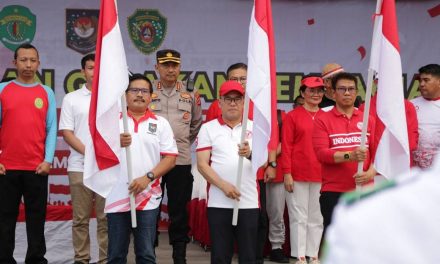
[181, 107]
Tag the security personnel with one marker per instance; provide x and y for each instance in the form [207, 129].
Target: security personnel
[181, 107]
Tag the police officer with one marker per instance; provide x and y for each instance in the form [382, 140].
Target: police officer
[181, 107]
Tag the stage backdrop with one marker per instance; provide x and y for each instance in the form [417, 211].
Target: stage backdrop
[211, 35]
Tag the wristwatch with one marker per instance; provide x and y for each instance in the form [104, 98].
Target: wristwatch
[347, 156]
[150, 176]
[273, 164]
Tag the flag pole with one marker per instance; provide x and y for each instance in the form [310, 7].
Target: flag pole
[129, 163]
[240, 159]
[371, 71]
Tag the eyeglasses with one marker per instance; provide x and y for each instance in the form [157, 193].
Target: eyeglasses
[230, 100]
[343, 90]
[315, 90]
[238, 79]
[137, 90]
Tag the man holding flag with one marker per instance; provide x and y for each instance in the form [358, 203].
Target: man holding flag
[218, 150]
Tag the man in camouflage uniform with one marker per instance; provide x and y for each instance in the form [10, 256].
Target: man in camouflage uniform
[180, 105]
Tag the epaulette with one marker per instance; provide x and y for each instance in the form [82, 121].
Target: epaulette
[189, 85]
[351, 198]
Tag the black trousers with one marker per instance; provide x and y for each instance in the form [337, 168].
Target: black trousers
[33, 188]
[223, 234]
[179, 184]
[263, 223]
[328, 202]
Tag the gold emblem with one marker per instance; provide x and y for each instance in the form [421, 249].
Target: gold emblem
[169, 54]
[38, 103]
[154, 95]
[153, 106]
[185, 95]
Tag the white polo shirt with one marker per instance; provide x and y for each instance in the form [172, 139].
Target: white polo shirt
[428, 116]
[152, 137]
[75, 116]
[222, 141]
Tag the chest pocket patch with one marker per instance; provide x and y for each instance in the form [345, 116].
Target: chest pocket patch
[155, 105]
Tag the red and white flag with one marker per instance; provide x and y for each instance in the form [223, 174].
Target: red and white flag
[101, 161]
[392, 154]
[261, 82]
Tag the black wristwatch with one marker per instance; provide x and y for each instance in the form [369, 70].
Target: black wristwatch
[150, 175]
[347, 156]
[273, 164]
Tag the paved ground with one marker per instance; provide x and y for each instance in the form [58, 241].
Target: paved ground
[195, 253]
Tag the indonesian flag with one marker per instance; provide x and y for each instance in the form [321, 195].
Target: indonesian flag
[392, 155]
[101, 161]
[261, 82]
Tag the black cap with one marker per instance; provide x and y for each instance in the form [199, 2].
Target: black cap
[168, 55]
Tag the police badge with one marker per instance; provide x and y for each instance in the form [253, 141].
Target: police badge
[147, 29]
[81, 29]
[17, 26]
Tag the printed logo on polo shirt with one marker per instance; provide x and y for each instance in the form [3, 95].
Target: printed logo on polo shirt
[360, 125]
[346, 140]
[152, 128]
[17, 26]
[38, 103]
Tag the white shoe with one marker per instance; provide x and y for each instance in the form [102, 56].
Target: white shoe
[301, 261]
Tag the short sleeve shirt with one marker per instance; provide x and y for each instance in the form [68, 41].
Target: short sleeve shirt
[152, 138]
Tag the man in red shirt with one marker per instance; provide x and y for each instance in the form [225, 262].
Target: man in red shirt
[28, 133]
[336, 141]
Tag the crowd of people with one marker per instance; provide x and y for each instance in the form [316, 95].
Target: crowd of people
[316, 161]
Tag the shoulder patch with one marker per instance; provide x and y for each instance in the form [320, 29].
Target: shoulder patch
[197, 97]
[351, 198]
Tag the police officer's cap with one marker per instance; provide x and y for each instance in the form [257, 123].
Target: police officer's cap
[168, 55]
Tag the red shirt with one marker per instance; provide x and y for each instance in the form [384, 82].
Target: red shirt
[334, 132]
[299, 158]
[28, 125]
[411, 123]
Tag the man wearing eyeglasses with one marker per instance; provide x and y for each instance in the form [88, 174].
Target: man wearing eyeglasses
[236, 72]
[74, 125]
[180, 105]
[336, 141]
[154, 153]
[218, 150]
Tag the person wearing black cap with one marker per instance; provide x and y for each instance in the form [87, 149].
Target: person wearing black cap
[180, 105]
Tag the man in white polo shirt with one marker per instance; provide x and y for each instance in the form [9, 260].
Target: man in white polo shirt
[74, 124]
[428, 115]
[154, 153]
[218, 151]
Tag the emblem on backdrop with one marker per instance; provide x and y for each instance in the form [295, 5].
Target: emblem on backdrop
[147, 29]
[17, 26]
[81, 29]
